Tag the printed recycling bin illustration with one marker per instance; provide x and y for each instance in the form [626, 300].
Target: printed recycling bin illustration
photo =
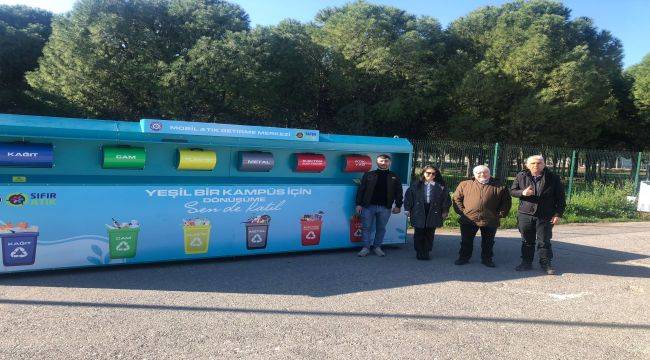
[356, 234]
[18, 243]
[196, 235]
[310, 228]
[257, 232]
[123, 239]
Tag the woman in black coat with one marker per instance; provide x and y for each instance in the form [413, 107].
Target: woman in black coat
[427, 204]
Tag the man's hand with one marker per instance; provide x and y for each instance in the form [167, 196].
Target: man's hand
[359, 209]
[528, 191]
[407, 213]
[555, 220]
[396, 210]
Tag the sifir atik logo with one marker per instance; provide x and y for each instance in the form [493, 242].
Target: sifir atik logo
[32, 199]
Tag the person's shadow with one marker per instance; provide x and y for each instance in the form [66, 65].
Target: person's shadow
[330, 273]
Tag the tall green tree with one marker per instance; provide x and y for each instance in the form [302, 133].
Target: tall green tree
[640, 76]
[268, 75]
[108, 56]
[385, 70]
[23, 33]
[534, 74]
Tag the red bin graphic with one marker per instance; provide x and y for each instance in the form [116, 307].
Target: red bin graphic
[310, 162]
[310, 231]
[356, 225]
[357, 163]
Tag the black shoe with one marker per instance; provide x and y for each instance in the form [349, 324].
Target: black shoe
[548, 269]
[488, 262]
[461, 261]
[524, 266]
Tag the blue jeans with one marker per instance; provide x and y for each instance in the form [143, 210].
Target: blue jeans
[374, 215]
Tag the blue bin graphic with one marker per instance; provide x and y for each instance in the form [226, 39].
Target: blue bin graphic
[19, 248]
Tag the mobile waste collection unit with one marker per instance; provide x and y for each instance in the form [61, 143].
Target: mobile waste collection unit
[80, 192]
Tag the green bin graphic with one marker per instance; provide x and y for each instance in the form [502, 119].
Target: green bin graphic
[123, 242]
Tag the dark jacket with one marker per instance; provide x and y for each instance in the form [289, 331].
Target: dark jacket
[482, 204]
[551, 202]
[415, 201]
[367, 186]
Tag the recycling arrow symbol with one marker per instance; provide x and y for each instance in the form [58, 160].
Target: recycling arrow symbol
[123, 246]
[196, 242]
[18, 252]
[257, 239]
[310, 236]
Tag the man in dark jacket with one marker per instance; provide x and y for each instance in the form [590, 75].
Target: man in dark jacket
[377, 192]
[480, 202]
[541, 206]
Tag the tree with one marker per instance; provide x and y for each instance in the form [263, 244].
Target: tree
[640, 75]
[23, 33]
[533, 74]
[108, 56]
[385, 70]
[269, 75]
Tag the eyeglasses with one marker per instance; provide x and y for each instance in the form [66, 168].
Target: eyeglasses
[428, 173]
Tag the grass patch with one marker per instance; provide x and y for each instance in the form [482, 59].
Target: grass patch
[596, 203]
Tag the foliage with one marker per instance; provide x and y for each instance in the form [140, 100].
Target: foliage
[533, 72]
[523, 71]
[23, 33]
[108, 56]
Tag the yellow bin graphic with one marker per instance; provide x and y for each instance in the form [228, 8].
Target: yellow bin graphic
[197, 238]
[196, 159]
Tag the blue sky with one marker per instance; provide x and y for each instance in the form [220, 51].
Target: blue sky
[626, 19]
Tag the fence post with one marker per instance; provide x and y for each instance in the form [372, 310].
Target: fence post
[494, 159]
[573, 160]
[636, 175]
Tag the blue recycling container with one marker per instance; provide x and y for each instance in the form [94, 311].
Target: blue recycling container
[26, 155]
[84, 213]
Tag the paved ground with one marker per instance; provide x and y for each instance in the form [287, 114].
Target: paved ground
[334, 305]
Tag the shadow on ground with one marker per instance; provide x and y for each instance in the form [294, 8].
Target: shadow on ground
[330, 273]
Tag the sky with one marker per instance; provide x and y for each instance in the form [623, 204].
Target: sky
[625, 19]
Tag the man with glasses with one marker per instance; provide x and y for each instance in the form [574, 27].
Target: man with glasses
[377, 192]
[541, 205]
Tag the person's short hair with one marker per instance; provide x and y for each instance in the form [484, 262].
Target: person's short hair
[480, 168]
[534, 157]
[383, 156]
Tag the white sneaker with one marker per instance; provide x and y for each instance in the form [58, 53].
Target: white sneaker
[364, 252]
[379, 252]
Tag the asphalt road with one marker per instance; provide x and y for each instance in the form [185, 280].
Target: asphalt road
[333, 305]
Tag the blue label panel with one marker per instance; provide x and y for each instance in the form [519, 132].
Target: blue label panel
[26, 155]
[70, 226]
[228, 130]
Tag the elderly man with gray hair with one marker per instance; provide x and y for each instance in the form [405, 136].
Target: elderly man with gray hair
[480, 202]
[541, 205]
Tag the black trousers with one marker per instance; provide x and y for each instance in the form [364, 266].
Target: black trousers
[467, 235]
[535, 231]
[423, 237]
[423, 240]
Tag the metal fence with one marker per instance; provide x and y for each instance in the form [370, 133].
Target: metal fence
[578, 168]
